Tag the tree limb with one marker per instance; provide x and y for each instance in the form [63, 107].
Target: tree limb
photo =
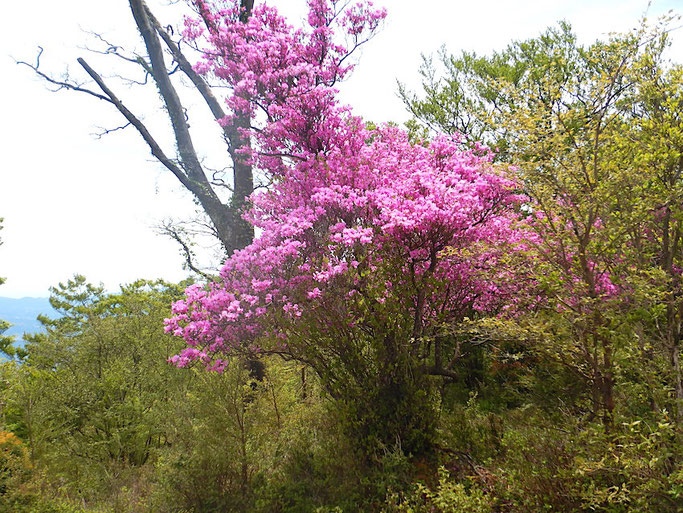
[186, 67]
[139, 125]
[62, 84]
[188, 254]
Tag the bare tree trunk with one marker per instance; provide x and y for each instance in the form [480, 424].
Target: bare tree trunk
[227, 223]
[233, 232]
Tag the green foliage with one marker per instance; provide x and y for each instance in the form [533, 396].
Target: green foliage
[634, 471]
[394, 412]
[212, 464]
[546, 467]
[446, 497]
[90, 396]
[103, 363]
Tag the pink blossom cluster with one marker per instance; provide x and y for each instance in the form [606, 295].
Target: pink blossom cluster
[281, 77]
[588, 277]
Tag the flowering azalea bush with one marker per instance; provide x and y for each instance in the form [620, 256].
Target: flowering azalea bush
[386, 229]
[363, 256]
[369, 242]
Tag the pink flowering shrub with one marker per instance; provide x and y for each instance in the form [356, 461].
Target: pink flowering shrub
[363, 257]
[385, 229]
[369, 242]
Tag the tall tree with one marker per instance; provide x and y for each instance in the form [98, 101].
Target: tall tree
[401, 231]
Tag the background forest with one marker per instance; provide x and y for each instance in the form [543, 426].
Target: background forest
[480, 312]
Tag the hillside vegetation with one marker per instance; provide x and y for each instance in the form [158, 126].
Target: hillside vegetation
[479, 313]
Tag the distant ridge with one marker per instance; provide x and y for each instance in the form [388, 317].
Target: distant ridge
[22, 313]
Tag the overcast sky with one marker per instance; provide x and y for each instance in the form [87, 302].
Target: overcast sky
[73, 203]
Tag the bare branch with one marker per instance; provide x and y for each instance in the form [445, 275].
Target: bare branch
[130, 81]
[61, 84]
[111, 49]
[217, 179]
[186, 67]
[176, 112]
[106, 131]
[116, 51]
[172, 231]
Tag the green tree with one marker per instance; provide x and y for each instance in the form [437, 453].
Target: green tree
[597, 135]
[596, 132]
[92, 393]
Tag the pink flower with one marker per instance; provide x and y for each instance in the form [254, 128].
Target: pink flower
[316, 292]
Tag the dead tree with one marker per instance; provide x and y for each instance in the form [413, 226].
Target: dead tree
[164, 56]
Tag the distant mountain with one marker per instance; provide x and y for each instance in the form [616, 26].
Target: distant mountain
[22, 313]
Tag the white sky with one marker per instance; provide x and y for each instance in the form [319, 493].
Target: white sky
[76, 204]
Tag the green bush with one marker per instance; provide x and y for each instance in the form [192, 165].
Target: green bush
[447, 497]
